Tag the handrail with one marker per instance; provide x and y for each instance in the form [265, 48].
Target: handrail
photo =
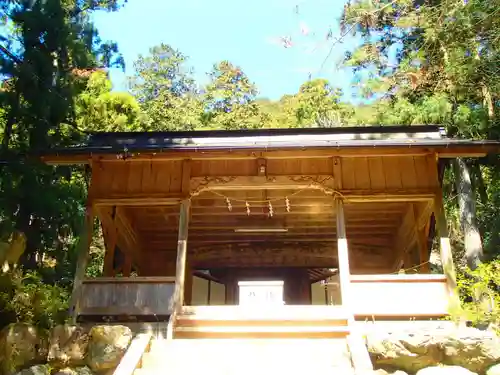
[405, 278]
[137, 279]
[133, 356]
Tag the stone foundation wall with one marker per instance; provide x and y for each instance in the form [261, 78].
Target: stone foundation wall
[65, 350]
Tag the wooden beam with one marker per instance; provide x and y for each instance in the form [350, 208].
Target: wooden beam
[127, 265]
[140, 200]
[423, 212]
[230, 234]
[127, 238]
[110, 235]
[404, 237]
[85, 240]
[423, 251]
[179, 154]
[177, 300]
[369, 240]
[323, 183]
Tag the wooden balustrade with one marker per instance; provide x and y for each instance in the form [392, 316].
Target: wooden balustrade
[137, 296]
[399, 296]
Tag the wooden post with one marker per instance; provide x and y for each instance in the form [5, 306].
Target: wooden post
[85, 240]
[127, 265]
[177, 300]
[359, 353]
[343, 254]
[209, 291]
[188, 284]
[110, 237]
[445, 251]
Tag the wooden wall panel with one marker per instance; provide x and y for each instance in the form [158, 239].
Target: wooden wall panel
[249, 167]
[377, 173]
[235, 167]
[348, 173]
[396, 296]
[124, 178]
[323, 166]
[390, 172]
[126, 296]
[159, 263]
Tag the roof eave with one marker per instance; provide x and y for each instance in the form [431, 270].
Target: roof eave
[443, 149]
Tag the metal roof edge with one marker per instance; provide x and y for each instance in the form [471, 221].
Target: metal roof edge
[274, 131]
[405, 143]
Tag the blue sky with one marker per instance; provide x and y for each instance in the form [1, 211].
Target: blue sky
[244, 32]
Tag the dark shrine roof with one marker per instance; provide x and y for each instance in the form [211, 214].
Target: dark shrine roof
[428, 136]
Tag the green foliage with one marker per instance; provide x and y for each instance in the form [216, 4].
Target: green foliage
[480, 294]
[100, 109]
[25, 297]
[444, 71]
[229, 100]
[165, 90]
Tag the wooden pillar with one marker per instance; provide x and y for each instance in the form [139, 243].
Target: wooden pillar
[445, 250]
[232, 289]
[85, 240]
[343, 254]
[209, 291]
[177, 300]
[127, 265]
[297, 287]
[188, 284]
[110, 238]
[357, 347]
[422, 235]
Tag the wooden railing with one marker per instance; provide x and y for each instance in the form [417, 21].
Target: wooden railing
[132, 359]
[399, 296]
[138, 296]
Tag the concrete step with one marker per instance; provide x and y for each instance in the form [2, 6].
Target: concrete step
[247, 356]
[246, 370]
[287, 350]
[240, 315]
[161, 346]
[293, 359]
[268, 331]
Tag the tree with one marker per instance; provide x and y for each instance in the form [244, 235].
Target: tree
[98, 108]
[434, 64]
[56, 48]
[317, 103]
[229, 100]
[165, 90]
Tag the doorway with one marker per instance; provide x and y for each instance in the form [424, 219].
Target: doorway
[261, 293]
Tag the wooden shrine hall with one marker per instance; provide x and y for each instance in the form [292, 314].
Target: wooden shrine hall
[280, 217]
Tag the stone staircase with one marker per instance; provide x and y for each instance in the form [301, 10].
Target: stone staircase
[277, 322]
[247, 356]
[227, 340]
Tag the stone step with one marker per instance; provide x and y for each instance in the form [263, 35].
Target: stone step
[281, 316]
[317, 345]
[270, 331]
[247, 356]
[196, 321]
[294, 358]
[244, 369]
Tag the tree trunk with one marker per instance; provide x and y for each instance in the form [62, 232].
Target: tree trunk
[467, 211]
